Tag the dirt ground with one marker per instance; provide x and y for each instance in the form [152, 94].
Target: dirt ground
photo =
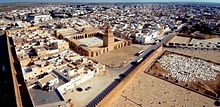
[119, 57]
[81, 99]
[205, 41]
[97, 84]
[179, 39]
[212, 55]
[149, 91]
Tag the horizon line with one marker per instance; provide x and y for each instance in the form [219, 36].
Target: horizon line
[109, 2]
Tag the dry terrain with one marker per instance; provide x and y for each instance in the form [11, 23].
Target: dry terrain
[149, 91]
[119, 57]
[179, 39]
[206, 41]
[96, 84]
[212, 55]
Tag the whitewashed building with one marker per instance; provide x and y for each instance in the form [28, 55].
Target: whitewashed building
[75, 82]
[146, 38]
[48, 80]
[35, 18]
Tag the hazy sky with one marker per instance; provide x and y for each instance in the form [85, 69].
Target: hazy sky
[8, 1]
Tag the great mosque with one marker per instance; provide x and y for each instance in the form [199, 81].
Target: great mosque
[109, 41]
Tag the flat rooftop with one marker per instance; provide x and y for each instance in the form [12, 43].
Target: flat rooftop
[91, 42]
[41, 97]
[47, 78]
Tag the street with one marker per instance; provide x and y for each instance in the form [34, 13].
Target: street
[124, 71]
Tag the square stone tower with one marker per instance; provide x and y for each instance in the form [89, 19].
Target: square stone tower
[108, 39]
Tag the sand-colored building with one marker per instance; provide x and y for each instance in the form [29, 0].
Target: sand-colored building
[31, 73]
[92, 42]
[48, 81]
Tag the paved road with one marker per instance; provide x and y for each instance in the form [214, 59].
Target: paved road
[128, 68]
[147, 52]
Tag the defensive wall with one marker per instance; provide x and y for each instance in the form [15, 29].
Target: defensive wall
[115, 93]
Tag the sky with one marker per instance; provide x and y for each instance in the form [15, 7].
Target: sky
[9, 1]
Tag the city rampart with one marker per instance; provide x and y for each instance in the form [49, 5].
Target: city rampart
[114, 93]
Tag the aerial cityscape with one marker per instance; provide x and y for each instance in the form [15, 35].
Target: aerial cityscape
[110, 54]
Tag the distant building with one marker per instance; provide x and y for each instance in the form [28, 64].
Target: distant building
[143, 38]
[60, 15]
[35, 18]
[146, 38]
